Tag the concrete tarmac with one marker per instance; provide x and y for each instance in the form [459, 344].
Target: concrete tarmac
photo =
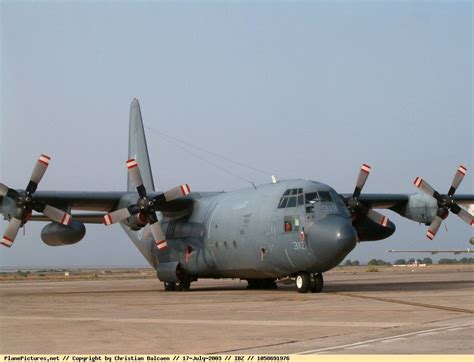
[425, 311]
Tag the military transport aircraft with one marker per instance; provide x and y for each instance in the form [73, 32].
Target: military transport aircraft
[287, 229]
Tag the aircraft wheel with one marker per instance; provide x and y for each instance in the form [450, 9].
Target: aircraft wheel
[261, 284]
[170, 286]
[269, 284]
[253, 284]
[317, 283]
[183, 286]
[303, 282]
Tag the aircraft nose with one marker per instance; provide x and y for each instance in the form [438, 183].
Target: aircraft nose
[331, 239]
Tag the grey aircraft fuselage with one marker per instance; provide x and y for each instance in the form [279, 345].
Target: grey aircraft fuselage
[248, 234]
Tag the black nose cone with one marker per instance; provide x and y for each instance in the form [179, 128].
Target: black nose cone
[331, 239]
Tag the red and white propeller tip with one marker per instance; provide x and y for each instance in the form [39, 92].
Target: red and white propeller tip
[11, 232]
[45, 159]
[366, 168]
[462, 169]
[378, 217]
[40, 168]
[176, 192]
[131, 163]
[57, 215]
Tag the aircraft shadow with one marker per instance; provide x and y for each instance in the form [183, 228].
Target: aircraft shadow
[357, 286]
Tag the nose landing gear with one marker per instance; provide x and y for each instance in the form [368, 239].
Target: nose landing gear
[306, 282]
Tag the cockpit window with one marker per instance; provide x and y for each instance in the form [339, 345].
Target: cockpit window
[300, 199]
[312, 197]
[292, 198]
[283, 202]
[325, 196]
[291, 202]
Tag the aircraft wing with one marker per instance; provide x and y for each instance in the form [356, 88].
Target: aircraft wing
[92, 205]
[81, 200]
[394, 201]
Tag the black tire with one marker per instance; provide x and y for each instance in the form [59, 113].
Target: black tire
[303, 282]
[183, 286]
[170, 286]
[261, 284]
[317, 283]
[269, 284]
[252, 284]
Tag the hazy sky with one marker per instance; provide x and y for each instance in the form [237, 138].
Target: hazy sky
[299, 89]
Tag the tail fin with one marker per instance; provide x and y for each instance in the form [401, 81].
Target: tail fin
[138, 150]
[137, 147]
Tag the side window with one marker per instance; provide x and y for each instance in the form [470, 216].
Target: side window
[311, 198]
[325, 196]
[291, 223]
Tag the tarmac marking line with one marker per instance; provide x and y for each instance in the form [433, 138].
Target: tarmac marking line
[456, 329]
[415, 304]
[427, 334]
[345, 346]
[356, 347]
[210, 321]
[394, 340]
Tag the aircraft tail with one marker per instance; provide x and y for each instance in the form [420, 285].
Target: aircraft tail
[137, 147]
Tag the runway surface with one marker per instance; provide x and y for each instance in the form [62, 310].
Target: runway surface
[425, 311]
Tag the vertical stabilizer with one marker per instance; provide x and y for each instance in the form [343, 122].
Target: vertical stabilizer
[137, 147]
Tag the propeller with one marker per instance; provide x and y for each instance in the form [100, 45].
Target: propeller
[25, 203]
[446, 202]
[146, 206]
[356, 207]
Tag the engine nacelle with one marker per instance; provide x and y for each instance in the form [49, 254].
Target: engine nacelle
[136, 222]
[55, 234]
[420, 208]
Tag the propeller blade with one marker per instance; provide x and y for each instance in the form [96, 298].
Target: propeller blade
[363, 175]
[157, 232]
[117, 216]
[158, 236]
[459, 175]
[463, 214]
[136, 177]
[177, 192]
[433, 229]
[11, 232]
[3, 189]
[57, 215]
[38, 172]
[425, 187]
[378, 218]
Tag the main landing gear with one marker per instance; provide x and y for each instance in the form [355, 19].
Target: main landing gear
[306, 282]
[261, 284]
[181, 286]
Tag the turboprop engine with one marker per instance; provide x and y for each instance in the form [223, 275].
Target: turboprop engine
[55, 234]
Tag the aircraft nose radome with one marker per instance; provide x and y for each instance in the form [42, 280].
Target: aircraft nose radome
[332, 238]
